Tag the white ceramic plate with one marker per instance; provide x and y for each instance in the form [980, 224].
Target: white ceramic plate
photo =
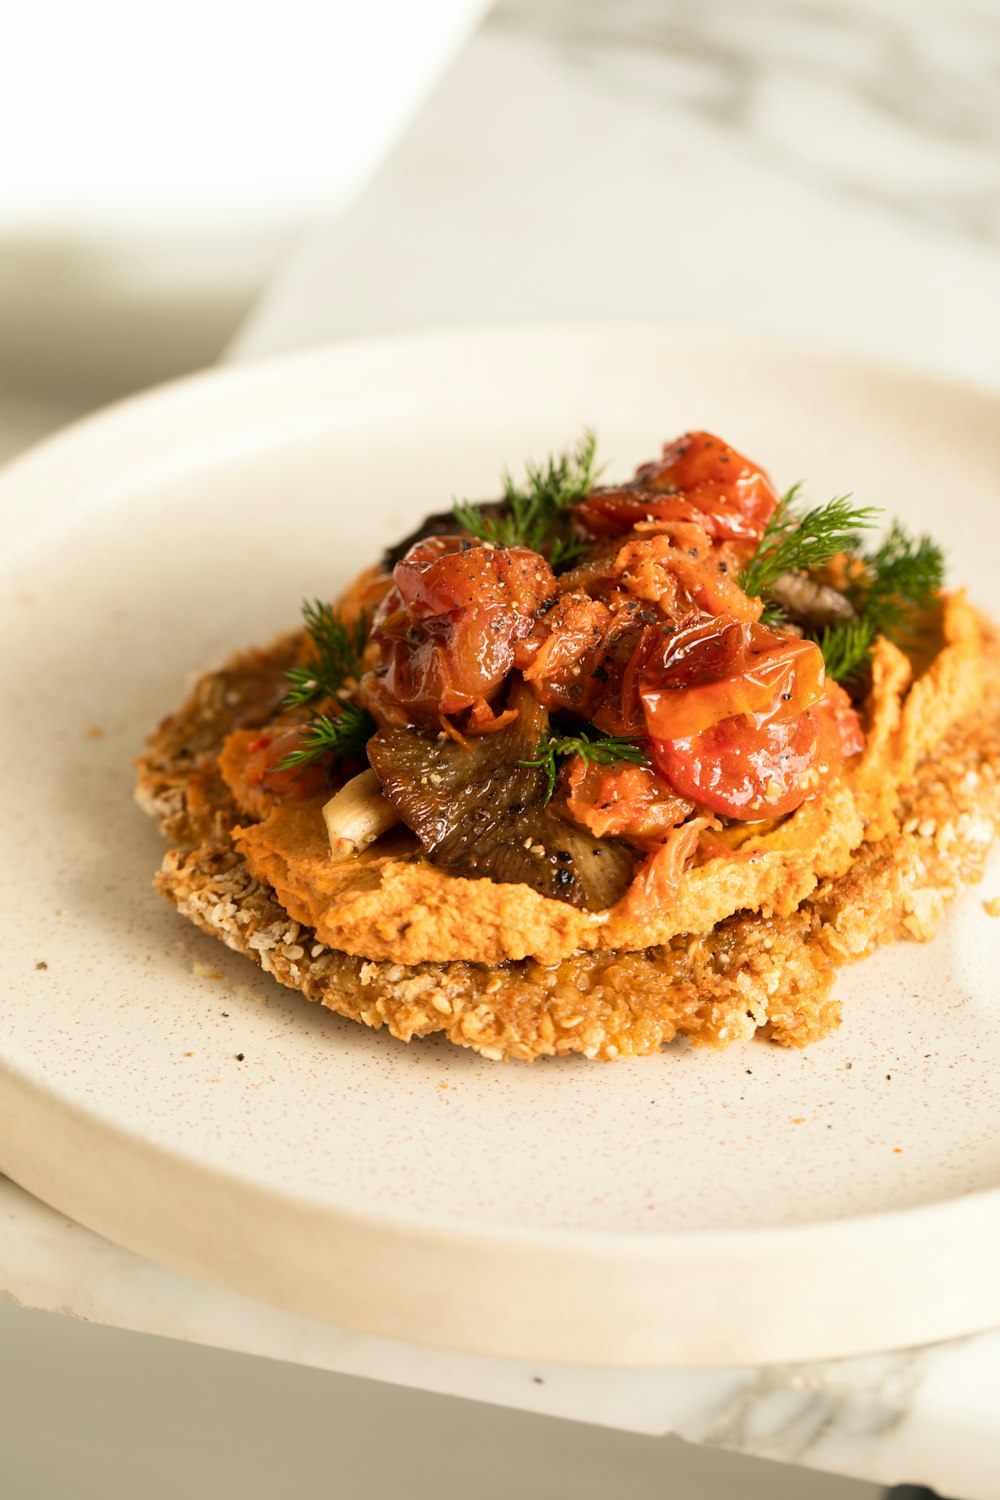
[693, 1207]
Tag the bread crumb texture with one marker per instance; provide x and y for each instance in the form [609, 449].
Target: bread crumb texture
[754, 971]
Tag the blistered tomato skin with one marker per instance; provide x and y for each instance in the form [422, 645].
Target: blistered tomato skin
[742, 771]
[623, 801]
[446, 573]
[717, 479]
[698, 478]
[751, 772]
[446, 632]
[720, 668]
[615, 512]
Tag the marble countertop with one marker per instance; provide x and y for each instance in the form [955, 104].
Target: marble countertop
[928, 1414]
[824, 170]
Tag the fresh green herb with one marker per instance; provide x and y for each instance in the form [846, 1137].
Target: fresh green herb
[345, 735]
[605, 750]
[896, 579]
[845, 647]
[903, 575]
[565, 550]
[794, 541]
[536, 505]
[899, 579]
[337, 649]
[337, 652]
[772, 614]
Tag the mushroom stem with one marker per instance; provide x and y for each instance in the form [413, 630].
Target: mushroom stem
[806, 602]
[357, 815]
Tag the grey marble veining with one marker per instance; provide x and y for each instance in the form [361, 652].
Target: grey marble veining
[821, 170]
[893, 104]
[930, 1414]
[785, 1411]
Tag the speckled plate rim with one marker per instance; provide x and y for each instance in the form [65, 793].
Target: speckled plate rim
[432, 1281]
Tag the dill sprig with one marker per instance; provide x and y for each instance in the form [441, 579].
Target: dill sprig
[899, 579]
[346, 735]
[534, 507]
[894, 582]
[845, 647]
[605, 750]
[902, 576]
[331, 672]
[795, 541]
[337, 649]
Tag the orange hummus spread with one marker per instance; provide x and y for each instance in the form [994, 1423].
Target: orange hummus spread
[395, 905]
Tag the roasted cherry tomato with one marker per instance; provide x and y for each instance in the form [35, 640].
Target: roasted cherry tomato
[445, 573]
[717, 479]
[439, 666]
[266, 753]
[562, 661]
[613, 512]
[742, 771]
[624, 801]
[698, 478]
[447, 629]
[680, 575]
[719, 668]
[750, 772]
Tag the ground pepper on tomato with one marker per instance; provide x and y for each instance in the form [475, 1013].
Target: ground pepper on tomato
[750, 772]
[648, 636]
[699, 478]
[445, 633]
[719, 669]
[624, 801]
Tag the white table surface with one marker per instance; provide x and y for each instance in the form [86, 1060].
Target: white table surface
[824, 170]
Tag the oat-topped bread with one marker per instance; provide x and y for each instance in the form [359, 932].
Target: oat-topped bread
[587, 768]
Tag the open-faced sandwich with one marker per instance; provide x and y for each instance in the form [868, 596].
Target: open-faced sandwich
[586, 768]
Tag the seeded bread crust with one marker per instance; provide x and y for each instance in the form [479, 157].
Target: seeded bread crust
[750, 973]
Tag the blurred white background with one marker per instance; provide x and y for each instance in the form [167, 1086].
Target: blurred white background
[159, 160]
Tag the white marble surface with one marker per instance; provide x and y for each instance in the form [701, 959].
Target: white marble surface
[821, 169]
[932, 1414]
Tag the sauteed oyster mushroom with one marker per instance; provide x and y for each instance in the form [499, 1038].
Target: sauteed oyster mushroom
[483, 812]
